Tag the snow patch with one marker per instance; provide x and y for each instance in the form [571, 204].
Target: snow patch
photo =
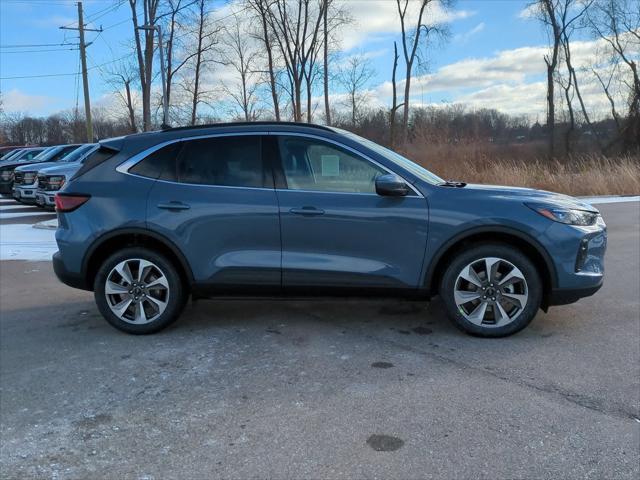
[612, 199]
[23, 242]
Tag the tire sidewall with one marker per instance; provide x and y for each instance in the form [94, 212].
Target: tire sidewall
[176, 291]
[506, 252]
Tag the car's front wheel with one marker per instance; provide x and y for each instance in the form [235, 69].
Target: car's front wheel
[139, 291]
[491, 290]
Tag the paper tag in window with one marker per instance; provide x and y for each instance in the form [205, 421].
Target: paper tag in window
[330, 165]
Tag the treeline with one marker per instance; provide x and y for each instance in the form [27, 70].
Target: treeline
[444, 125]
[281, 60]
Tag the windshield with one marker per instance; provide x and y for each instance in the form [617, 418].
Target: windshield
[420, 172]
[29, 154]
[46, 153]
[11, 155]
[79, 152]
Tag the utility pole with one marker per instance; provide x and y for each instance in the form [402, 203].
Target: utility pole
[83, 58]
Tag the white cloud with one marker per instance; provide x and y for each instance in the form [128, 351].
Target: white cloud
[513, 80]
[466, 36]
[375, 17]
[529, 12]
[16, 101]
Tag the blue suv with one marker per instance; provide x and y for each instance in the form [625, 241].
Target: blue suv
[291, 209]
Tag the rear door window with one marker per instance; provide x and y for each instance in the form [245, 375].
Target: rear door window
[232, 161]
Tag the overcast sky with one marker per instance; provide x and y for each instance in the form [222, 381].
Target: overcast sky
[493, 58]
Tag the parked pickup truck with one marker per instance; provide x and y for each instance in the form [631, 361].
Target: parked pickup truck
[52, 178]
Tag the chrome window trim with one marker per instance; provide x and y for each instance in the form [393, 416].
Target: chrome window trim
[138, 157]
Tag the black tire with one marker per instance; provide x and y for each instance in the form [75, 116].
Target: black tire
[508, 253]
[177, 297]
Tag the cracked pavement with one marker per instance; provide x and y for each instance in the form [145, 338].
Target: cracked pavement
[321, 388]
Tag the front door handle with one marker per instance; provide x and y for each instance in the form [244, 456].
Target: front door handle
[174, 206]
[307, 211]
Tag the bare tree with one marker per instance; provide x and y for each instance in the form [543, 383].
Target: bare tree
[261, 9]
[205, 41]
[172, 46]
[296, 29]
[239, 53]
[353, 77]
[145, 55]
[335, 17]
[617, 23]
[558, 16]
[122, 79]
[412, 36]
[325, 62]
[394, 100]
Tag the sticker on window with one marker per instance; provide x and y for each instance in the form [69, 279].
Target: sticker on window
[330, 165]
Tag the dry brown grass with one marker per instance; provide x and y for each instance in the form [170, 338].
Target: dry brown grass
[517, 165]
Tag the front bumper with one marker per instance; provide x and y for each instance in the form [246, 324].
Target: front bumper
[45, 199]
[6, 187]
[26, 194]
[579, 260]
[565, 296]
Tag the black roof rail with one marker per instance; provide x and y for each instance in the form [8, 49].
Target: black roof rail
[240, 124]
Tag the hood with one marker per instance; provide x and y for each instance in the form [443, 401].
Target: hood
[531, 195]
[10, 164]
[67, 169]
[35, 166]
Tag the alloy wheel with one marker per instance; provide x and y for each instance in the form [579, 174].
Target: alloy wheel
[491, 292]
[137, 291]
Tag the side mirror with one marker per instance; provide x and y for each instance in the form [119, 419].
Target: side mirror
[391, 185]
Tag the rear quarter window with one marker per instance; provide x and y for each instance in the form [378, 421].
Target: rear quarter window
[159, 164]
[96, 158]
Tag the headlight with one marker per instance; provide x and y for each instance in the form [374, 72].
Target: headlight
[567, 216]
[29, 178]
[55, 182]
[6, 175]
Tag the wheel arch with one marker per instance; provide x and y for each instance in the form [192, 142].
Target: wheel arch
[485, 234]
[106, 244]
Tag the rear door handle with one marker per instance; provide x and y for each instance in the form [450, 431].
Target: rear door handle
[307, 211]
[174, 206]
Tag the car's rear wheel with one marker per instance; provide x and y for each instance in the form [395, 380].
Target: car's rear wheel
[492, 290]
[139, 291]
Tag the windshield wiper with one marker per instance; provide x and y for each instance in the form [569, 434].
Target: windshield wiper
[451, 183]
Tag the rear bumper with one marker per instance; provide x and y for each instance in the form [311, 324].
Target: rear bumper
[68, 278]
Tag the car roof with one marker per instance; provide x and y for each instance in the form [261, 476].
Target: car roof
[137, 141]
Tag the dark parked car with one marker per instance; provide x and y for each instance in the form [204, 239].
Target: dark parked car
[15, 159]
[277, 208]
[7, 149]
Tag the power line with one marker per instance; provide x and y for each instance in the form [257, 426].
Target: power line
[26, 45]
[104, 11]
[39, 76]
[40, 51]
[116, 24]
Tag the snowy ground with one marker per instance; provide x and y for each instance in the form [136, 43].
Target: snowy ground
[21, 241]
[18, 239]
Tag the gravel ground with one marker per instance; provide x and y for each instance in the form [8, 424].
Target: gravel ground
[323, 388]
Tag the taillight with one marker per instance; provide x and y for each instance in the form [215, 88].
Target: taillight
[69, 202]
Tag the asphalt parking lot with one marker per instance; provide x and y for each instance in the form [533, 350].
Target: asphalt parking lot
[322, 388]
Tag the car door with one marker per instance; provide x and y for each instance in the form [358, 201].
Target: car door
[218, 205]
[337, 232]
